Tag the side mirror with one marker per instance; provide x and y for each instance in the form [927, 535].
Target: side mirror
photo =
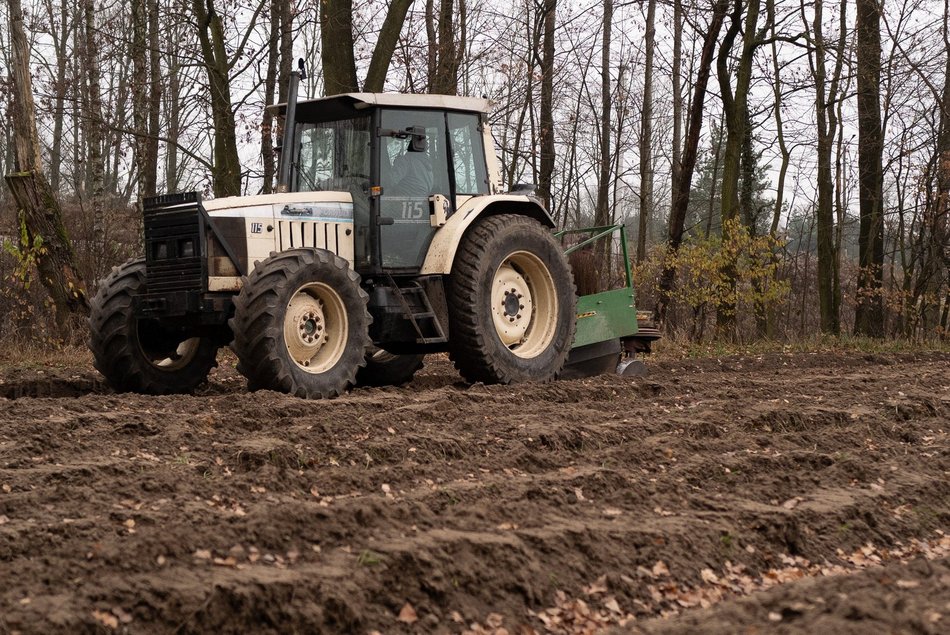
[418, 142]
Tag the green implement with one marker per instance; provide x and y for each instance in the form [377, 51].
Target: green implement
[610, 333]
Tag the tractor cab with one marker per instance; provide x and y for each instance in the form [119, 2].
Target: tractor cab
[404, 163]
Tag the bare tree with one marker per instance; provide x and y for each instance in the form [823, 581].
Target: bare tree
[685, 176]
[602, 209]
[869, 316]
[40, 215]
[547, 10]
[646, 136]
[445, 53]
[827, 99]
[339, 61]
[218, 61]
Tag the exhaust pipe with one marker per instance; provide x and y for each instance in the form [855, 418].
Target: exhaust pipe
[290, 119]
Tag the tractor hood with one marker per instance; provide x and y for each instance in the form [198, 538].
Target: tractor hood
[290, 204]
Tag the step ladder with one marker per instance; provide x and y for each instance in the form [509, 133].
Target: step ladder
[425, 323]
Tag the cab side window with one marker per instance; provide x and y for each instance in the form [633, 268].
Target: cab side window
[468, 154]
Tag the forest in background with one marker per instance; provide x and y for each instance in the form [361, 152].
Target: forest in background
[783, 168]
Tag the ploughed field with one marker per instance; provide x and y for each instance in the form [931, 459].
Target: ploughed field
[774, 493]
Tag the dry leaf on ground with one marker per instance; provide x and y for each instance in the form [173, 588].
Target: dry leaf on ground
[407, 614]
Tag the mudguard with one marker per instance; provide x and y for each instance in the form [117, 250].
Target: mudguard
[446, 240]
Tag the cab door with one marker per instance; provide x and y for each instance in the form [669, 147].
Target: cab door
[409, 174]
[466, 140]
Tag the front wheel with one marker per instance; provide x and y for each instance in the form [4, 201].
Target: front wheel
[301, 325]
[511, 302]
[143, 355]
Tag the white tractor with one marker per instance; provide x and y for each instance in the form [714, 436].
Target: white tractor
[390, 238]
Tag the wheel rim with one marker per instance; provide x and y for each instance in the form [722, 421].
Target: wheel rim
[382, 356]
[161, 349]
[315, 327]
[524, 304]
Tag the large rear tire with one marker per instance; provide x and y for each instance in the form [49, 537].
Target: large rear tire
[511, 303]
[142, 355]
[301, 325]
[388, 369]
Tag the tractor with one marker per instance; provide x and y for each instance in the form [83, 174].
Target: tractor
[389, 237]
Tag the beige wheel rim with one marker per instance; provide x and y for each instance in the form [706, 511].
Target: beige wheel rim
[524, 304]
[382, 356]
[315, 327]
[156, 350]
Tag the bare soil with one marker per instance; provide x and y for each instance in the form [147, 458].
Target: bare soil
[775, 493]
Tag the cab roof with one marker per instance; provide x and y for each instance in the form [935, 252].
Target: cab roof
[350, 104]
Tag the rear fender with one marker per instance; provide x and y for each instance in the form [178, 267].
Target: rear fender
[446, 240]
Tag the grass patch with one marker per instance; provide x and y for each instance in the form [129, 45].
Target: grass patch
[369, 558]
[30, 354]
[672, 348]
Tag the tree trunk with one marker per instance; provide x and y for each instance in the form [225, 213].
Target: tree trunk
[646, 138]
[546, 116]
[24, 110]
[720, 136]
[733, 108]
[286, 58]
[602, 210]
[869, 318]
[115, 134]
[676, 163]
[738, 138]
[39, 212]
[139, 54]
[94, 126]
[829, 295]
[941, 217]
[336, 35]
[59, 92]
[386, 46]
[173, 111]
[736, 107]
[447, 59]
[150, 173]
[226, 174]
[448, 73]
[79, 106]
[270, 91]
[784, 151]
[786, 155]
[285, 63]
[432, 50]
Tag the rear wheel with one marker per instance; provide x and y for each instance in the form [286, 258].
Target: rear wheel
[388, 369]
[511, 302]
[143, 355]
[300, 324]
